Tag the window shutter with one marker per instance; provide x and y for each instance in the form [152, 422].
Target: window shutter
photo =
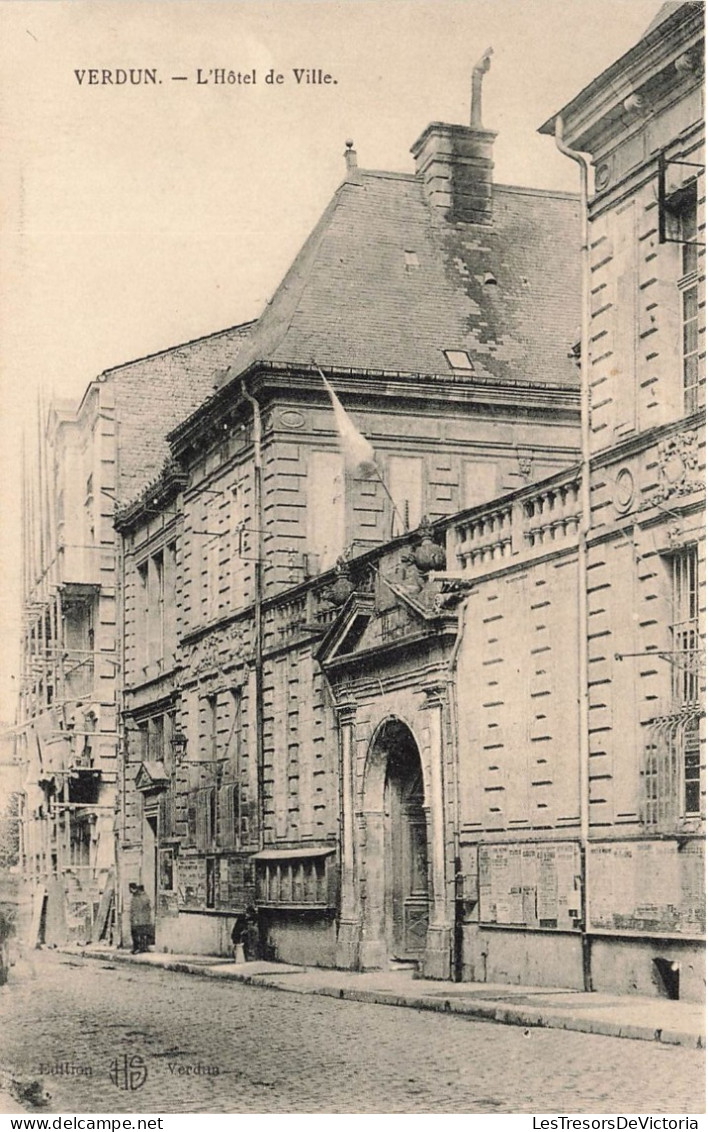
[192, 818]
[226, 835]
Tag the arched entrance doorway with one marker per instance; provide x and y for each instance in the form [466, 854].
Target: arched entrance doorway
[397, 885]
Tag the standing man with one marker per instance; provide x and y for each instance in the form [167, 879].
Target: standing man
[140, 918]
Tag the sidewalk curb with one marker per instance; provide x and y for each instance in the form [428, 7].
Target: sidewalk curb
[486, 1011]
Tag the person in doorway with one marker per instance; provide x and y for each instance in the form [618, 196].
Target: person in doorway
[245, 936]
[252, 940]
[238, 938]
[140, 918]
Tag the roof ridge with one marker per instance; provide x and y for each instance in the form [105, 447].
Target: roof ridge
[177, 346]
[391, 174]
[530, 190]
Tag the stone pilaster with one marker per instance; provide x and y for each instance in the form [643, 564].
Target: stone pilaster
[349, 930]
[438, 946]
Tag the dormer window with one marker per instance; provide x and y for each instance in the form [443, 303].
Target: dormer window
[459, 359]
[412, 261]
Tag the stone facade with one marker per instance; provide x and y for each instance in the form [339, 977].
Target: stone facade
[88, 458]
[448, 714]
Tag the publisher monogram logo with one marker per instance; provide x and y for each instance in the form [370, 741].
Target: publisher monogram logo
[129, 1072]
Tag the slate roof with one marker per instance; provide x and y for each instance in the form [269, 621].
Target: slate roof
[351, 299]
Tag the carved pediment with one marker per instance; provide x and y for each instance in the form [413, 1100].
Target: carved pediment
[373, 621]
[151, 776]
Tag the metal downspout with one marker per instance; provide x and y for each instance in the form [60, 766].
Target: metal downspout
[258, 604]
[457, 947]
[583, 163]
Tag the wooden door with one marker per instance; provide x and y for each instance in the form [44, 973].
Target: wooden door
[407, 882]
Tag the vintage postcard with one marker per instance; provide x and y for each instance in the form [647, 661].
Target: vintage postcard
[352, 379]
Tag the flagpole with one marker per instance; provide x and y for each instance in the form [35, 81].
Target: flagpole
[373, 465]
[384, 485]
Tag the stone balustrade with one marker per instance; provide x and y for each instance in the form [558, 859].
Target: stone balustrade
[484, 538]
[552, 514]
[535, 520]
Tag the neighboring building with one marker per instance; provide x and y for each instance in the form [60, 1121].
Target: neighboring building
[642, 122]
[438, 306]
[88, 459]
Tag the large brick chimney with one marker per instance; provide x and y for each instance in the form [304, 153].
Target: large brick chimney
[455, 162]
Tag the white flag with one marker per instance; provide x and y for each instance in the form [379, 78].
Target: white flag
[359, 456]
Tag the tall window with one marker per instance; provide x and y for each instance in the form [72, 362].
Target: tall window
[691, 769]
[326, 530]
[685, 667]
[685, 214]
[156, 600]
[672, 769]
[405, 482]
[684, 627]
[156, 738]
[141, 615]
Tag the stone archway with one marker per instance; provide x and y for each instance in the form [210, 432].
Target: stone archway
[395, 863]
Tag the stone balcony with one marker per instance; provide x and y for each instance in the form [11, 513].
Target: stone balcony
[538, 520]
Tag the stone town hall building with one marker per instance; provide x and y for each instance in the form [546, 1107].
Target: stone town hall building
[449, 714]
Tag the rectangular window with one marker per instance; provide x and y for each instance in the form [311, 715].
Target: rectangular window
[684, 218]
[167, 870]
[156, 601]
[303, 882]
[673, 775]
[694, 389]
[156, 738]
[141, 614]
[233, 751]
[685, 666]
[691, 769]
[405, 482]
[326, 532]
[211, 882]
[685, 641]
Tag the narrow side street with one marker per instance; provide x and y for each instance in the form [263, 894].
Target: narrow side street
[210, 1046]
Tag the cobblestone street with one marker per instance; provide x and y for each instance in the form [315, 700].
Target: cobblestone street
[287, 1053]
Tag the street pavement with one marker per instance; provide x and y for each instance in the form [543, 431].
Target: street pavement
[621, 1016]
[212, 1045]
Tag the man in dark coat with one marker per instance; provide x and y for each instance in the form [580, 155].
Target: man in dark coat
[245, 935]
[140, 918]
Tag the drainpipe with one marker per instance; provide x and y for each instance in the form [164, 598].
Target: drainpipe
[583, 163]
[454, 735]
[258, 604]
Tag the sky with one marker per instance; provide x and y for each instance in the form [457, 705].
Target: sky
[138, 217]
